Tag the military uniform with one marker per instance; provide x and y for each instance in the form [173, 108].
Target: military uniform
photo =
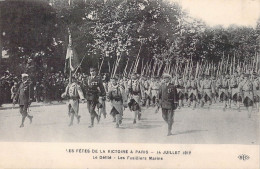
[206, 88]
[168, 99]
[24, 97]
[74, 93]
[246, 90]
[135, 95]
[118, 98]
[192, 89]
[95, 93]
[179, 83]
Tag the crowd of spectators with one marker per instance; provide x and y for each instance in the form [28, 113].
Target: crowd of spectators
[47, 89]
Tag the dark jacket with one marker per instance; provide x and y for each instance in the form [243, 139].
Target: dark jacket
[168, 96]
[24, 94]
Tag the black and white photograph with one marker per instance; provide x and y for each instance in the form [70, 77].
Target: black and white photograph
[130, 71]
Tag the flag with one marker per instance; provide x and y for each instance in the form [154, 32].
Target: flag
[72, 61]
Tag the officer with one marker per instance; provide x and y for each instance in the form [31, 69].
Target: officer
[74, 93]
[117, 96]
[168, 100]
[24, 97]
[95, 94]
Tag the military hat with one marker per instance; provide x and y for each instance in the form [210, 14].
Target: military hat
[93, 69]
[247, 75]
[116, 77]
[24, 75]
[167, 75]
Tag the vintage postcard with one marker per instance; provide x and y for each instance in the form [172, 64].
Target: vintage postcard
[147, 84]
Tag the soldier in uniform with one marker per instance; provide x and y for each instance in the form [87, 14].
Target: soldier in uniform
[206, 88]
[135, 95]
[223, 91]
[256, 89]
[179, 83]
[168, 100]
[24, 97]
[145, 86]
[74, 93]
[246, 90]
[117, 96]
[14, 90]
[154, 89]
[234, 91]
[95, 94]
[192, 89]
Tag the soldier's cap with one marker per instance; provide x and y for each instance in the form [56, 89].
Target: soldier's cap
[247, 75]
[92, 69]
[255, 74]
[166, 75]
[115, 77]
[24, 75]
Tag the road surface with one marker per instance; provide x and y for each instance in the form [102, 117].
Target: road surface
[199, 126]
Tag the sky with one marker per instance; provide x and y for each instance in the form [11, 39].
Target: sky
[223, 12]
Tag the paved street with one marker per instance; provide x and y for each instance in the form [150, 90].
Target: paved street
[200, 126]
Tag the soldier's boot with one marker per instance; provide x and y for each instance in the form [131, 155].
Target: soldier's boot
[194, 105]
[78, 118]
[114, 118]
[202, 103]
[229, 103]
[250, 110]
[136, 114]
[189, 102]
[179, 104]
[238, 106]
[30, 117]
[117, 120]
[92, 122]
[139, 115]
[71, 119]
[157, 109]
[169, 128]
[225, 106]
[23, 119]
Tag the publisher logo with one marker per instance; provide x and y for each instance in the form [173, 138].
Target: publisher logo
[243, 157]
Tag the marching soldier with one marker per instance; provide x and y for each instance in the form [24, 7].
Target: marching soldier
[24, 97]
[135, 95]
[206, 88]
[74, 93]
[192, 89]
[95, 94]
[117, 96]
[168, 99]
[223, 91]
[179, 83]
[147, 98]
[234, 91]
[256, 89]
[246, 89]
[154, 89]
